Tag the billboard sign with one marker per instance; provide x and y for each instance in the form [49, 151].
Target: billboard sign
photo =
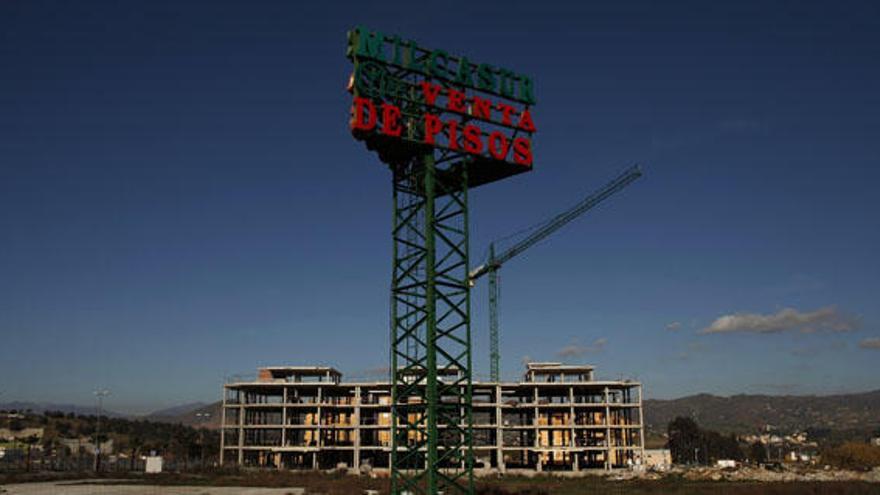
[408, 100]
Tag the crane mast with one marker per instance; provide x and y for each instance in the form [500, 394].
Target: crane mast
[495, 261]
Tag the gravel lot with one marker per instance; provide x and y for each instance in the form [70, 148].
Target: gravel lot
[101, 488]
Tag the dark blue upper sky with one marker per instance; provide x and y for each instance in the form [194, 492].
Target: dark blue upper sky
[181, 200]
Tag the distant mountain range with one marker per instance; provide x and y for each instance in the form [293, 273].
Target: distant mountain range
[750, 413]
[176, 411]
[39, 407]
[174, 414]
[735, 414]
[197, 414]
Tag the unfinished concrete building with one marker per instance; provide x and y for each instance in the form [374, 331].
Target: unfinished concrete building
[558, 418]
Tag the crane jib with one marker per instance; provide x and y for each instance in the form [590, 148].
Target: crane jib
[618, 183]
[542, 231]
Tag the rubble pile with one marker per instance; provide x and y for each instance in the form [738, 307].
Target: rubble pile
[747, 473]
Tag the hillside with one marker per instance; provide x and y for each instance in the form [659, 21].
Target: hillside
[129, 436]
[176, 410]
[195, 417]
[748, 413]
[41, 407]
[734, 414]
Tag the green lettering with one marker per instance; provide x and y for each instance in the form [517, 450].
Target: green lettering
[464, 72]
[370, 44]
[485, 77]
[505, 83]
[526, 89]
[412, 61]
[397, 50]
[436, 69]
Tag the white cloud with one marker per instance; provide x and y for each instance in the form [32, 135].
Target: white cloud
[576, 350]
[872, 343]
[675, 325]
[823, 319]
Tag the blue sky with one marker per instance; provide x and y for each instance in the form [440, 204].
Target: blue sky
[180, 199]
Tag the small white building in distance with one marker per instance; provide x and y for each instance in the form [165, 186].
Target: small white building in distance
[153, 464]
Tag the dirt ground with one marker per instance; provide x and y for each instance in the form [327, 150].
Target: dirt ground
[78, 488]
[285, 484]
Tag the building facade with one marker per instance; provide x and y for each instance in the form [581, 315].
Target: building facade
[558, 418]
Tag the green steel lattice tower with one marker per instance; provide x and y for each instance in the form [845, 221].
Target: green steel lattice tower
[432, 172]
[430, 329]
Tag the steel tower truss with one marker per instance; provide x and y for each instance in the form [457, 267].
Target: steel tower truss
[432, 446]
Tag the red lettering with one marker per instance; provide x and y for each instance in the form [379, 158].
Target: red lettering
[452, 126]
[432, 127]
[472, 139]
[481, 108]
[390, 120]
[498, 154]
[525, 122]
[522, 151]
[506, 112]
[357, 121]
[431, 91]
[455, 100]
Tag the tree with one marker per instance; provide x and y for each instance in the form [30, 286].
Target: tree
[30, 442]
[689, 444]
[757, 453]
[715, 446]
[135, 443]
[63, 428]
[684, 440]
[853, 455]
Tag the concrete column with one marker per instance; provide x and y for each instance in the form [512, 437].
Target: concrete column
[641, 426]
[320, 414]
[356, 421]
[499, 430]
[284, 417]
[319, 431]
[223, 425]
[241, 400]
[607, 432]
[572, 443]
[461, 414]
[537, 430]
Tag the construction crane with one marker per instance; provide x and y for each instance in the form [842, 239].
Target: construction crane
[539, 232]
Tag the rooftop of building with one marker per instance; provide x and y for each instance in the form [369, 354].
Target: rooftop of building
[303, 370]
[550, 367]
[298, 374]
[535, 372]
[550, 372]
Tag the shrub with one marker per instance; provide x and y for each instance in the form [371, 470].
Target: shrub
[853, 455]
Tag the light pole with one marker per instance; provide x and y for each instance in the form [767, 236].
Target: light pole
[202, 416]
[99, 395]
